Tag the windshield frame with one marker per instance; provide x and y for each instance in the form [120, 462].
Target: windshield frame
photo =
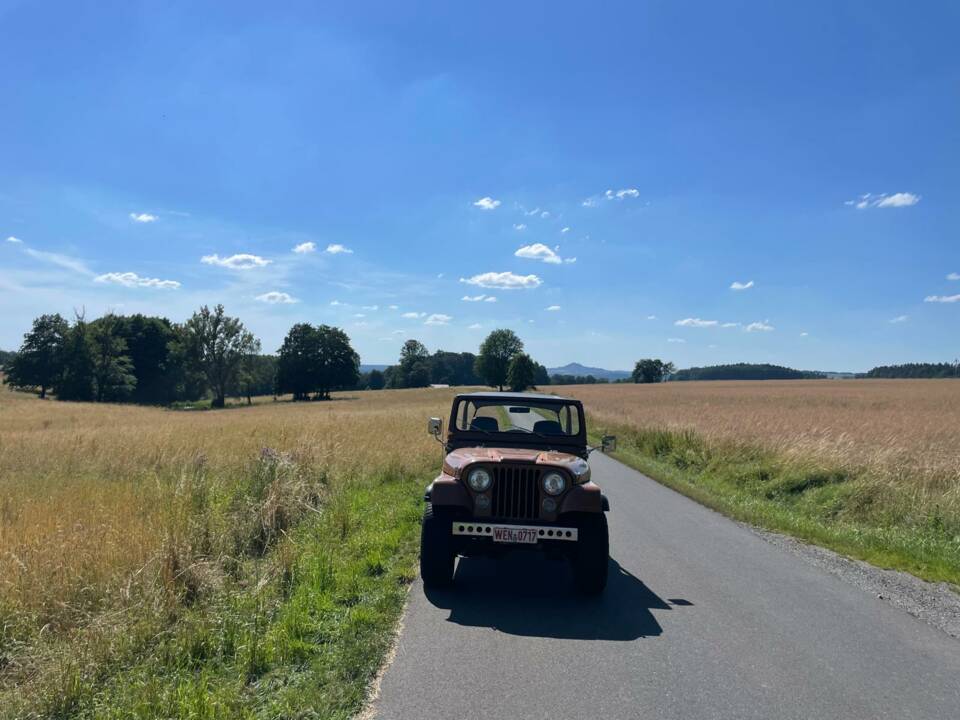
[505, 438]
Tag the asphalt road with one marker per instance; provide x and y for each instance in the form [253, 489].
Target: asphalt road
[701, 619]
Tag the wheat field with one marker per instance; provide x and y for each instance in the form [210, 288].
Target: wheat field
[110, 513]
[901, 430]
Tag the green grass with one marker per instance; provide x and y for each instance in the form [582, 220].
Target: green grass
[297, 632]
[840, 509]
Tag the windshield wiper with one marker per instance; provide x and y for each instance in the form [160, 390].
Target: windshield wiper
[527, 430]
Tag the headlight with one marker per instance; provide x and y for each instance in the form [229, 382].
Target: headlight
[478, 480]
[553, 483]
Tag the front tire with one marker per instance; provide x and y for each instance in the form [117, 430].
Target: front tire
[436, 549]
[592, 557]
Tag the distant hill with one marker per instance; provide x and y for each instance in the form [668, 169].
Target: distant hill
[583, 370]
[368, 368]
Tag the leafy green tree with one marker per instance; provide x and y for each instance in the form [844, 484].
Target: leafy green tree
[257, 376]
[339, 365]
[76, 381]
[650, 370]
[113, 376]
[39, 363]
[496, 352]
[375, 380]
[296, 360]
[540, 375]
[520, 372]
[151, 347]
[316, 360]
[216, 346]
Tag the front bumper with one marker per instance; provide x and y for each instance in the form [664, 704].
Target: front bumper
[486, 530]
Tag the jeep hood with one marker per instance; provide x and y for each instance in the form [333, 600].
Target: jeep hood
[458, 459]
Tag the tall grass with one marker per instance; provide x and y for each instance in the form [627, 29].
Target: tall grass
[150, 559]
[870, 468]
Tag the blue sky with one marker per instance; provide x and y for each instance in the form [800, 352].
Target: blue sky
[605, 172]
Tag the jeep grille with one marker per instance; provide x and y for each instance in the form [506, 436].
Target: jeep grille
[515, 492]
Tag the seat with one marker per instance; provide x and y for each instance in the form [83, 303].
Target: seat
[548, 427]
[485, 424]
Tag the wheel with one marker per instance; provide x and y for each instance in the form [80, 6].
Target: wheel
[436, 549]
[592, 556]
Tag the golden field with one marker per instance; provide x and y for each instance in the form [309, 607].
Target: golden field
[905, 430]
[109, 513]
[127, 533]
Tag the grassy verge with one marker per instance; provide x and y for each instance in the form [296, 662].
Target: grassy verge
[296, 631]
[844, 509]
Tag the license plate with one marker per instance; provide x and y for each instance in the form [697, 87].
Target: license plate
[508, 534]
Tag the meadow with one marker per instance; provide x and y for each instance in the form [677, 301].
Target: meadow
[253, 561]
[236, 563]
[867, 467]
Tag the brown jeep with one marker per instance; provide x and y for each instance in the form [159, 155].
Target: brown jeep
[515, 476]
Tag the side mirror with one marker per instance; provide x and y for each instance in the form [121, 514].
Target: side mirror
[435, 427]
[608, 443]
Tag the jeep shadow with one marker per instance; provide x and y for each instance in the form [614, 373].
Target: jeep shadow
[503, 594]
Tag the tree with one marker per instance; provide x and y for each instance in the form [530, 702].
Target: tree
[375, 380]
[76, 381]
[339, 365]
[496, 351]
[113, 376]
[651, 370]
[216, 346]
[39, 362]
[257, 376]
[151, 347]
[414, 368]
[540, 375]
[520, 372]
[318, 360]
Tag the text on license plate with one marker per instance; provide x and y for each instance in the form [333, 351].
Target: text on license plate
[514, 534]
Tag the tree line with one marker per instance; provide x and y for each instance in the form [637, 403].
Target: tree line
[744, 371]
[915, 370]
[151, 360]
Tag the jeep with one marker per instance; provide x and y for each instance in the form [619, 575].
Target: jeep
[515, 477]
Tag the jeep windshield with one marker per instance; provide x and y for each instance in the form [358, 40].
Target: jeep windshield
[546, 419]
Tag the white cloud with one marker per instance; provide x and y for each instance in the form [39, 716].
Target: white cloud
[143, 217]
[487, 203]
[539, 251]
[438, 319]
[565, 230]
[503, 281]
[883, 200]
[14, 240]
[132, 280]
[676, 340]
[589, 203]
[531, 213]
[439, 276]
[337, 249]
[544, 214]
[370, 307]
[900, 319]
[569, 261]
[651, 317]
[901, 199]
[475, 326]
[335, 303]
[393, 307]
[804, 334]
[942, 298]
[764, 326]
[736, 285]
[275, 297]
[305, 247]
[413, 315]
[519, 226]
[64, 261]
[621, 194]
[241, 261]
[951, 276]
[553, 308]
[696, 322]
[730, 324]
[479, 298]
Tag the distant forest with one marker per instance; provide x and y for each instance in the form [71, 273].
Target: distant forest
[915, 370]
[744, 371]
